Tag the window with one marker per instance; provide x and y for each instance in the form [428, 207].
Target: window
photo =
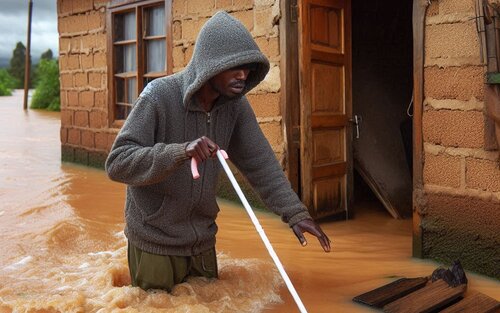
[139, 46]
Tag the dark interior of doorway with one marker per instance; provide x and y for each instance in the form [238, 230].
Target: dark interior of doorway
[382, 85]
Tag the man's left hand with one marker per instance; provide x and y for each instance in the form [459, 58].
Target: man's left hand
[311, 227]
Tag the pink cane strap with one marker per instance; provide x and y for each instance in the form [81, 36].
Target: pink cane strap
[194, 165]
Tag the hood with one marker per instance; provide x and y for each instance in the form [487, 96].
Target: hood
[223, 43]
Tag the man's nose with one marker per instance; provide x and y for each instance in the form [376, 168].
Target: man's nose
[242, 74]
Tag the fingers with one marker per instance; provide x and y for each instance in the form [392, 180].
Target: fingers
[202, 149]
[298, 232]
[311, 227]
[322, 238]
[212, 147]
[325, 243]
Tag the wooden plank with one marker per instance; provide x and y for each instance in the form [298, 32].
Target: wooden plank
[418, 22]
[428, 299]
[475, 303]
[290, 105]
[328, 121]
[314, 111]
[391, 292]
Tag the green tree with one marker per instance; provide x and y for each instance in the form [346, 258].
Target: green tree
[16, 69]
[7, 83]
[47, 55]
[46, 94]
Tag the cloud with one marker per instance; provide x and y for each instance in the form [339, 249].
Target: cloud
[14, 24]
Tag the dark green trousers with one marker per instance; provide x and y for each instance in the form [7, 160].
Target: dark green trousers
[154, 271]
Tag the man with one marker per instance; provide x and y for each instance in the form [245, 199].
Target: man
[170, 218]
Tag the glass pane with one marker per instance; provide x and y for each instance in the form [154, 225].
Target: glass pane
[129, 56]
[132, 90]
[147, 80]
[121, 112]
[155, 21]
[125, 26]
[156, 55]
[120, 89]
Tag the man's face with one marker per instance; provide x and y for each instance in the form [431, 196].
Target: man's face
[231, 83]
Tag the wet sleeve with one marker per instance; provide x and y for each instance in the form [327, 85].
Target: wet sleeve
[252, 154]
[136, 158]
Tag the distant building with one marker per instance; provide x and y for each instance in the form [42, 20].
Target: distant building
[345, 76]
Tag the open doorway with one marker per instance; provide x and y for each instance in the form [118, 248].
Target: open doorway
[382, 86]
[348, 59]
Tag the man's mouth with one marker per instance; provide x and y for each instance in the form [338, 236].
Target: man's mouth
[237, 87]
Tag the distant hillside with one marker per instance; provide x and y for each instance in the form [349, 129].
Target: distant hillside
[5, 62]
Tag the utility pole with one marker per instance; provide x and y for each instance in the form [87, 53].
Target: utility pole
[27, 65]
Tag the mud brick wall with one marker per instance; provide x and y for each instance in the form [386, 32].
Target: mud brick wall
[85, 136]
[261, 18]
[460, 201]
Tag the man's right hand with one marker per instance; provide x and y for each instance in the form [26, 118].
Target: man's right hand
[201, 149]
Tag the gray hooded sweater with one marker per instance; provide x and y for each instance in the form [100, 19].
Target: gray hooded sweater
[166, 211]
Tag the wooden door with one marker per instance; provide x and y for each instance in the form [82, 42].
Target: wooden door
[326, 105]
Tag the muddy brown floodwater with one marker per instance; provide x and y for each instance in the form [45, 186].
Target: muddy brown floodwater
[63, 248]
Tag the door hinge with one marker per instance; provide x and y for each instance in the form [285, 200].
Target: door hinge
[294, 12]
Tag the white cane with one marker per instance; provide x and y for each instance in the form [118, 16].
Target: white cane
[222, 156]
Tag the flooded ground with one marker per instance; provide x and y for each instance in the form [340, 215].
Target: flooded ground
[63, 248]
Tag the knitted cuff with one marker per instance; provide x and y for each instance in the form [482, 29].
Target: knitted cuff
[304, 215]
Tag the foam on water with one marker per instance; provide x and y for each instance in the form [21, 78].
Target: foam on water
[100, 282]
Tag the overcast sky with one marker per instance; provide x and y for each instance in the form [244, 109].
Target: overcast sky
[14, 26]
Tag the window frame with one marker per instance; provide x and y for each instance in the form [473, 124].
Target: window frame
[114, 8]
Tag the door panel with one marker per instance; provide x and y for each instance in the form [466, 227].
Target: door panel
[326, 105]
[327, 80]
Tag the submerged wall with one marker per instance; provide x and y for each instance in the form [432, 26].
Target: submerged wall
[86, 131]
[459, 205]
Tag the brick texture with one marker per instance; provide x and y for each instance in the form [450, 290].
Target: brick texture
[88, 139]
[191, 28]
[452, 41]
[269, 46]
[483, 174]
[243, 4]
[199, 6]
[73, 98]
[81, 6]
[101, 140]
[456, 6]
[442, 170]
[64, 135]
[73, 136]
[454, 128]
[86, 99]
[82, 118]
[223, 4]
[272, 131]
[67, 117]
[246, 18]
[98, 119]
[461, 83]
[265, 104]
[263, 21]
[178, 7]
[100, 99]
